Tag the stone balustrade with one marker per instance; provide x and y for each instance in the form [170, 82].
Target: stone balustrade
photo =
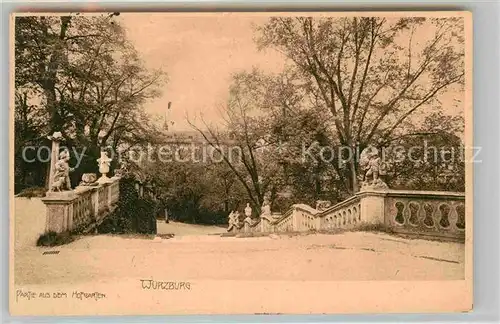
[81, 209]
[251, 225]
[346, 214]
[425, 214]
[433, 214]
[286, 222]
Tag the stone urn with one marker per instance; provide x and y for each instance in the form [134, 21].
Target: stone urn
[104, 162]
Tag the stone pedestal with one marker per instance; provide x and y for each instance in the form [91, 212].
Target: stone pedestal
[317, 223]
[59, 211]
[248, 211]
[56, 195]
[104, 179]
[372, 206]
[265, 224]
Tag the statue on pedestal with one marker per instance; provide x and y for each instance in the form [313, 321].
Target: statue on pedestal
[371, 163]
[248, 211]
[60, 179]
[234, 221]
[56, 139]
[266, 208]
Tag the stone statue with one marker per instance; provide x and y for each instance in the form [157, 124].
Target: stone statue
[265, 212]
[266, 208]
[373, 168]
[248, 211]
[248, 219]
[230, 221]
[323, 204]
[234, 221]
[88, 179]
[104, 162]
[56, 139]
[61, 180]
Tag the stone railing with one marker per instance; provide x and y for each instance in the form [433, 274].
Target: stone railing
[304, 217]
[433, 214]
[81, 209]
[425, 214]
[286, 222]
[251, 225]
[346, 214]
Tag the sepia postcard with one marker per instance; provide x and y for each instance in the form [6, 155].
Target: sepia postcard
[241, 163]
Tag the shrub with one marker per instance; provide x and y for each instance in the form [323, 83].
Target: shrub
[133, 214]
[146, 216]
[54, 239]
[187, 212]
[33, 192]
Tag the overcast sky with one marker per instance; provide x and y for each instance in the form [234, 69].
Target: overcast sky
[201, 51]
[199, 54]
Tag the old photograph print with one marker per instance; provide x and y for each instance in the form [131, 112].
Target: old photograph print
[241, 163]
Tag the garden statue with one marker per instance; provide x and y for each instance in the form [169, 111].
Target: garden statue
[104, 161]
[323, 204]
[234, 221]
[373, 167]
[265, 212]
[61, 180]
[56, 139]
[248, 211]
[88, 179]
[266, 208]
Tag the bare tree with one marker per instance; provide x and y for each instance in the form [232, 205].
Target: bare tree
[371, 74]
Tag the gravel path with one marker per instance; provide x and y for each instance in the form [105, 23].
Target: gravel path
[348, 256]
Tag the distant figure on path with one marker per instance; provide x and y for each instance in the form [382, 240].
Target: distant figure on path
[166, 216]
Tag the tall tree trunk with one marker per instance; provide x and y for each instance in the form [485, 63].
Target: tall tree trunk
[354, 176]
[49, 84]
[47, 176]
